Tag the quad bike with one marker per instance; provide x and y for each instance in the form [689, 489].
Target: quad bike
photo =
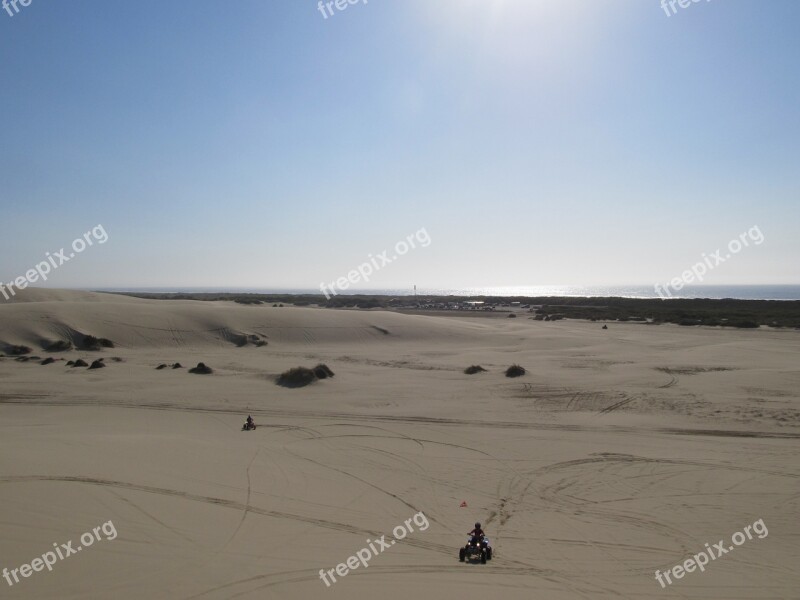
[248, 427]
[476, 549]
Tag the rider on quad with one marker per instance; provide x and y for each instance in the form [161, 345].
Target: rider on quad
[249, 421]
[477, 545]
[477, 534]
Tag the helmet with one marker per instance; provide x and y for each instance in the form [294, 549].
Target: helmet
[477, 525]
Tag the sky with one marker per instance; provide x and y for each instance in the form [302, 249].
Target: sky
[264, 144]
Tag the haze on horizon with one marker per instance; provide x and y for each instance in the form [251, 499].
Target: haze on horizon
[263, 145]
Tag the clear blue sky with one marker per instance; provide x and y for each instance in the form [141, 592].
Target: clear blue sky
[259, 144]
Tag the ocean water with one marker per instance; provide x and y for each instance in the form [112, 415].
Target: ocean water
[742, 292]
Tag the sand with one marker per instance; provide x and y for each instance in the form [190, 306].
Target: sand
[620, 452]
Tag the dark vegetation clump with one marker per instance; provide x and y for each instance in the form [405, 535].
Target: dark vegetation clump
[687, 312]
[201, 369]
[322, 371]
[743, 324]
[15, 350]
[97, 364]
[296, 377]
[471, 370]
[512, 316]
[240, 340]
[178, 366]
[92, 343]
[161, 366]
[725, 312]
[253, 338]
[515, 371]
[79, 363]
[48, 361]
[248, 301]
[56, 346]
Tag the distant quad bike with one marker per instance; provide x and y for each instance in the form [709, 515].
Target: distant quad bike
[248, 427]
[476, 549]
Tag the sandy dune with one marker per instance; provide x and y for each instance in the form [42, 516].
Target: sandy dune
[618, 453]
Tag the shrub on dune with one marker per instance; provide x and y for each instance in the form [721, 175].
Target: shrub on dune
[322, 371]
[254, 339]
[98, 364]
[48, 361]
[296, 377]
[471, 370]
[15, 350]
[743, 324]
[515, 371]
[201, 369]
[237, 339]
[57, 346]
[90, 342]
[79, 363]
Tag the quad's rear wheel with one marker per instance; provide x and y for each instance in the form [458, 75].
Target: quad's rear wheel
[461, 554]
[488, 554]
[483, 557]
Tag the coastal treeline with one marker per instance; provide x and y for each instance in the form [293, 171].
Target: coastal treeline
[726, 312]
